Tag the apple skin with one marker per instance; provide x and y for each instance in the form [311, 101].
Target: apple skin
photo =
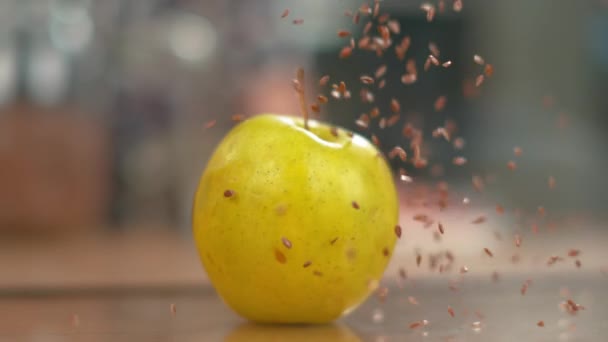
[292, 198]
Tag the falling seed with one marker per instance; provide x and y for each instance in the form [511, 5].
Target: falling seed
[451, 311]
[540, 324]
[317, 273]
[298, 21]
[457, 6]
[229, 193]
[478, 220]
[499, 209]
[478, 183]
[374, 112]
[376, 141]
[409, 79]
[286, 242]
[440, 227]
[322, 99]
[412, 300]
[418, 259]
[464, 269]
[315, 107]
[385, 251]
[398, 151]
[323, 80]
[488, 70]
[478, 60]
[459, 161]
[381, 84]
[517, 240]
[479, 80]
[381, 71]
[343, 33]
[367, 79]
[75, 322]
[419, 324]
[238, 117]
[285, 13]
[394, 26]
[511, 165]
[574, 253]
[307, 263]
[551, 182]
[333, 241]
[578, 263]
[488, 252]
[517, 151]
[346, 52]
[173, 309]
[495, 277]
[440, 103]
[395, 106]
[446, 64]
[434, 49]
[398, 231]
[210, 124]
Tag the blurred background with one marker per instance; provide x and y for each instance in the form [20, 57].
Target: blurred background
[105, 108]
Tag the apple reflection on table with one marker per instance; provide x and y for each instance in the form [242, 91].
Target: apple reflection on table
[252, 332]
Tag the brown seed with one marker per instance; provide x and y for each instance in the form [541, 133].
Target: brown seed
[409, 79]
[362, 124]
[517, 240]
[317, 273]
[173, 309]
[392, 120]
[459, 161]
[322, 99]
[434, 49]
[333, 241]
[479, 80]
[464, 269]
[499, 209]
[398, 151]
[375, 112]
[384, 32]
[298, 21]
[307, 263]
[478, 60]
[315, 107]
[285, 13]
[459, 143]
[412, 300]
[488, 252]
[381, 84]
[440, 227]
[367, 79]
[355, 205]
[488, 70]
[394, 26]
[346, 52]
[540, 324]
[478, 220]
[229, 193]
[286, 242]
[511, 165]
[395, 106]
[75, 321]
[457, 6]
[343, 33]
[440, 103]
[574, 253]
[418, 259]
[238, 117]
[551, 182]
[517, 151]
[323, 80]
[356, 18]
[478, 183]
[398, 231]
[578, 263]
[375, 140]
[385, 251]
[446, 64]
[210, 124]
[451, 311]
[381, 71]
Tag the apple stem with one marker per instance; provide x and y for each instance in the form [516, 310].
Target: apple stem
[299, 86]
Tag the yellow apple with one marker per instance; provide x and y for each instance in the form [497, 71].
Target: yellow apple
[294, 225]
